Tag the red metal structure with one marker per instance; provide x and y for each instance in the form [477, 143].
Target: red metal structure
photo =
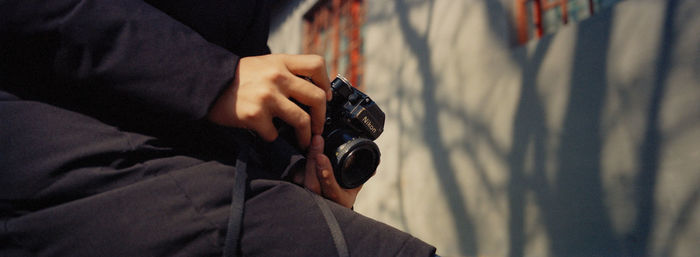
[525, 23]
[332, 28]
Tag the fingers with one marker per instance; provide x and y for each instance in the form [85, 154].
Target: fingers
[304, 124]
[324, 171]
[261, 90]
[293, 115]
[312, 96]
[310, 179]
[318, 176]
[311, 66]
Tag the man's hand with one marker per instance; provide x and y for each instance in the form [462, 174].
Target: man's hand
[319, 178]
[261, 91]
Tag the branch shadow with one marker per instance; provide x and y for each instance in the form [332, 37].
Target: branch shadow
[431, 132]
[649, 155]
[576, 217]
[683, 219]
[528, 128]
[572, 210]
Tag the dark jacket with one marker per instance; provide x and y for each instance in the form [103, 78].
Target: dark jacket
[101, 109]
[104, 150]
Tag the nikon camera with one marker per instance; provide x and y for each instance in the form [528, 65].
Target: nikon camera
[353, 121]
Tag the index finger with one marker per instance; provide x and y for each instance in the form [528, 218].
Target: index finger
[308, 94]
[296, 117]
[310, 66]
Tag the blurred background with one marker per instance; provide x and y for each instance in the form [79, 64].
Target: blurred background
[523, 127]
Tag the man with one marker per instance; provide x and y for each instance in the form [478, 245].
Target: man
[122, 134]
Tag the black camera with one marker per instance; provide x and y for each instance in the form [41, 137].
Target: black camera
[353, 121]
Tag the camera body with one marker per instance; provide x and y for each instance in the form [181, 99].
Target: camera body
[353, 121]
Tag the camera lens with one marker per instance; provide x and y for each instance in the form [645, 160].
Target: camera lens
[355, 162]
[357, 165]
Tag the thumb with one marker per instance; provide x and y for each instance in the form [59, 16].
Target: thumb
[329, 186]
[311, 180]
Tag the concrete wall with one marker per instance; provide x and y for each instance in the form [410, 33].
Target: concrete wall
[583, 143]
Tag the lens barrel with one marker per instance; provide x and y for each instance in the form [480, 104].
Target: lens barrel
[354, 159]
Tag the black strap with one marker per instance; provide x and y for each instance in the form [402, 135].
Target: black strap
[336, 233]
[231, 247]
[235, 220]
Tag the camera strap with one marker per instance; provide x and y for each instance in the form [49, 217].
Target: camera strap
[235, 220]
[338, 238]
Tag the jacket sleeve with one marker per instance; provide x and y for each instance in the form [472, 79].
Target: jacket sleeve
[116, 53]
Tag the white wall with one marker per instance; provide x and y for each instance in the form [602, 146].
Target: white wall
[582, 143]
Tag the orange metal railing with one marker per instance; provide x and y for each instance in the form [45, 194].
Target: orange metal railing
[523, 21]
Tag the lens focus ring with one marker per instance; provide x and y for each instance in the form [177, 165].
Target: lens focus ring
[355, 162]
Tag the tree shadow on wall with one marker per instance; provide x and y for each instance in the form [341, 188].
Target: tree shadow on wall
[571, 205]
[640, 237]
[574, 213]
[431, 132]
[529, 128]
